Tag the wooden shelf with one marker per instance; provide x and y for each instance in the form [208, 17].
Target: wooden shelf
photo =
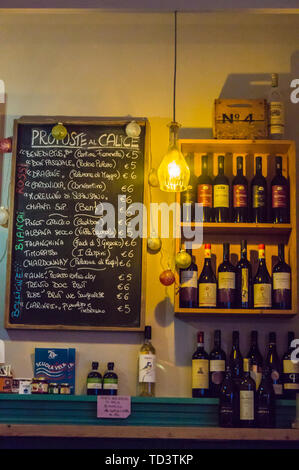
[233, 312]
[241, 229]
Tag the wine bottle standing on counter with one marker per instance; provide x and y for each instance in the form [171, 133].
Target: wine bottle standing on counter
[221, 194]
[189, 197]
[266, 401]
[244, 279]
[207, 283]
[255, 359]
[290, 376]
[226, 281]
[240, 195]
[281, 275]
[189, 284]
[147, 366]
[262, 284]
[205, 191]
[259, 194]
[274, 365]
[94, 383]
[200, 369]
[276, 109]
[247, 397]
[228, 401]
[236, 359]
[280, 204]
[217, 360]
[110, 380]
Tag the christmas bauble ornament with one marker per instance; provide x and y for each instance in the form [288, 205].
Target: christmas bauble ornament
[154, 244]
[6, 145]
[133, 129]
[153, 178]
[3, 216]
[59, 132]
[167, 277]
[183, 259]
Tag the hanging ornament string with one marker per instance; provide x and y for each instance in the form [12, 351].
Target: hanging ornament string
[175, 61]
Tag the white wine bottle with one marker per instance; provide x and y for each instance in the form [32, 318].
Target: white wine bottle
[147, 366]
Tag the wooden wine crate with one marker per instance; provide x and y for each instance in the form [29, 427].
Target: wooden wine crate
[269, 234]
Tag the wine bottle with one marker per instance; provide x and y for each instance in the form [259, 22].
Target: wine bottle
[221, 193]
[259, 194]
[200, 369]
[280, 196]
[244, 279]
[147, 366]
[262, 285]
[94, 380]
[276, 110]
[236, 360]
[247, 394]
[205, 191]
[274, 365]
[189, 284]
[281, 274]
[255, 359]
[188, 197]
[228, 399]
[240, 194]
[207, 283]
[226, 281]
[110, 380]
[217, 360]
[266, 401]
[290, 369]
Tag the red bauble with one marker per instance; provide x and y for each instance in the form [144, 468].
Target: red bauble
[167, 277]
[6, 145]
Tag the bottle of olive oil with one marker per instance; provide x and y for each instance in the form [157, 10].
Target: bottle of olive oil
[147, 366]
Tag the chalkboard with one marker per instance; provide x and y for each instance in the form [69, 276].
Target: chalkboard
[61, 273]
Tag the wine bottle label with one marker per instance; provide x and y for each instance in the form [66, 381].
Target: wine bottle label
[258, 196]
[290, 375]
[262, 296]
[281, 281]
[226, 280]
[110, 384]
[244, 288]
[217, 365]
[189, 279]
[147, 368]
[205, 195]
[256, 374]
[277, 389]
[276, 109]
[200, 373]
[94, 385]
[279, 196]
[246, 404]
[221, 195]
[207, 295]
[290, 367]
[239, 195]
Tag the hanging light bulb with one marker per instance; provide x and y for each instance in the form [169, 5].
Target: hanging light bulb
[173, 172]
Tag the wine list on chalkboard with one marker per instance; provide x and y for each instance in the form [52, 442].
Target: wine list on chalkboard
[61, 273]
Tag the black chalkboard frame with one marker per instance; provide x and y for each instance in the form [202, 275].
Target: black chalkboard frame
[67, 120]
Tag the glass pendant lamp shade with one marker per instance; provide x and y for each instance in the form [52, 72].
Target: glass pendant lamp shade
[173, 172]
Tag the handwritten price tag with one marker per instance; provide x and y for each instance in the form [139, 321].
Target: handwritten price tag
[113, 407]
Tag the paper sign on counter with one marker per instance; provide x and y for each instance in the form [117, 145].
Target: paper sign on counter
[113, 407]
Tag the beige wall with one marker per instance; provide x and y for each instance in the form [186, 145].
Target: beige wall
[115, 64]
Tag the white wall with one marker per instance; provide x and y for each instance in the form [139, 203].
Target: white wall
[115, 64]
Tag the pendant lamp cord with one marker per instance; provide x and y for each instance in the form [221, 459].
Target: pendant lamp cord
[175, 60]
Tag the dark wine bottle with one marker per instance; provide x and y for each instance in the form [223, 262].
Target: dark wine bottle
[236, 360]
[244, 279]
[94, 381]
[221, 194]
[281, 275]
[259, 194]
[247, 394]
[266, 401]
[290, 370]
[189, 284]
[207, 283]
[189, 197]
[262, 284]
[240, 194]
[280, 196]
[200, 369]
[226, 281]
[110, 380]
[274, 365]
[255, 359]
[217, 365]
[228, 401]
[205, 191]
